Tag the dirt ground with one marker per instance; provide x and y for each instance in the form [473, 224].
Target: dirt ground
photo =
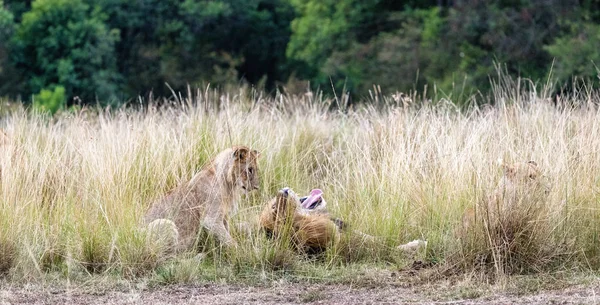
[294, 294]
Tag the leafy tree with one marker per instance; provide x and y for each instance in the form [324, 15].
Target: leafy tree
[340, 39]
[577, 53]
[66, 43]
[6, 30]
[18, 7]
[476, 34]
[196, 42]
[120, 49]
[323, 27]
[263, 41]
[6, 23]
[447, 43]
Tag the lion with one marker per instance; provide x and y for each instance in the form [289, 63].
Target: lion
[205, 201]
[312, 227]
[309, 232]
[521, 189]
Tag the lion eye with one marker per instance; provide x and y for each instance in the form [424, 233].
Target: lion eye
[531, 176]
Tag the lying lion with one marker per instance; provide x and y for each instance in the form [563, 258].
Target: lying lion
[204, 202]
[309, 231]
[306, 221]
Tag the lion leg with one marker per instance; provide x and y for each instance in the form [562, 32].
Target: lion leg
[186, 243]
[217, 227]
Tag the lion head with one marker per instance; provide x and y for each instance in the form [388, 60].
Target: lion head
[524, 174]
[310, 233]
[522, 171]
[285, 203]
[244, 171]
[281, 207]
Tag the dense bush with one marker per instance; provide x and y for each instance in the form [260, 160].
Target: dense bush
[50, 100]
[117, 49]
[67, 43]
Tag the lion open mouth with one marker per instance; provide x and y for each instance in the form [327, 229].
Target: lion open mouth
[313, 200]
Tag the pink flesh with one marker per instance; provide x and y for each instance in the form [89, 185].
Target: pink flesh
[314, 195]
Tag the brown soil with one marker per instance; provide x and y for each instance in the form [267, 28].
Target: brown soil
[294, 294]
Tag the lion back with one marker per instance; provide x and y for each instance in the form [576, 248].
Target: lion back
[315, 233]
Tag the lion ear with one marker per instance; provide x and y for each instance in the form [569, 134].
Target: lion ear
[240, 153]
[532, 163]
[256, 153]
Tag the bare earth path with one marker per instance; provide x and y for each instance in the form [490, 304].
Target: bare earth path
[294, 294]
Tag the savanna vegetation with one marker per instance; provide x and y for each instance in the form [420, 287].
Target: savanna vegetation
[397, 110]
[75, 186]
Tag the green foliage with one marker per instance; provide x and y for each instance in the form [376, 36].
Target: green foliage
[6, 22]
[317, 31]
[18, 7]
[576, 52]
[118, 49]
[396, 60]
[512, 33]
[50, 100]
[324, 27]
[67, 43]
[6, 29]
[197, 42]
[402, 48]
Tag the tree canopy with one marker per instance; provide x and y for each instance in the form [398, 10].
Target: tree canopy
[110, 51]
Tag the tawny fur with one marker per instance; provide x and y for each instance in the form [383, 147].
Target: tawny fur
[521, 182]
[309, 232]
[314, 231]
[206, 201]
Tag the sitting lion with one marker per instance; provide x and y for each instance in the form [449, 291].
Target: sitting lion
[204, 202]
[520, 190]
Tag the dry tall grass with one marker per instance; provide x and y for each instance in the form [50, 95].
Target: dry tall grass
[75, 187]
